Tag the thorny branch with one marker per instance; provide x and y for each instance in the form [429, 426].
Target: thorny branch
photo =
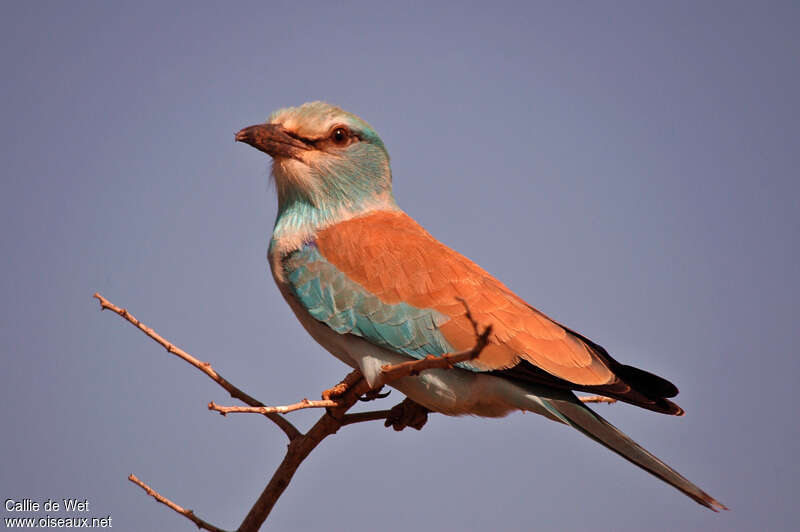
[337, 401]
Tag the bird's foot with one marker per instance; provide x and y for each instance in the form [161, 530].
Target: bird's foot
[374, 394]
[407, 414]
[340, 389]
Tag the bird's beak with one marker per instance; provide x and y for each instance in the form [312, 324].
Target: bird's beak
[273, 140]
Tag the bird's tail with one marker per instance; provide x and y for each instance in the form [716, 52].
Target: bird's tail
[576, 414]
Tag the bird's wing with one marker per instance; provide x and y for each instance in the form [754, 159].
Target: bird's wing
[383, 277]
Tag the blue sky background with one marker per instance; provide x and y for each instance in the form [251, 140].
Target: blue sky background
[630, 168]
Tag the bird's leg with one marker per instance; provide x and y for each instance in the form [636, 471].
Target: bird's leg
[407, 414]
[340, 389]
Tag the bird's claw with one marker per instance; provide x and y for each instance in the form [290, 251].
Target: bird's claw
[407, 414]
[374, 394]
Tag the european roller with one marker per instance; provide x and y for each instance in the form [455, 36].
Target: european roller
[374, 288]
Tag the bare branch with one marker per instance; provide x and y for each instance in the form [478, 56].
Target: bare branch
[360, 417]
[284, 424]
[415, 367]
[346, 394]
[347, 419]
[597, 399]
[189, 514]
[300, 405]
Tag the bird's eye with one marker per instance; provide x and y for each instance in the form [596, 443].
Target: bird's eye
[340, 135]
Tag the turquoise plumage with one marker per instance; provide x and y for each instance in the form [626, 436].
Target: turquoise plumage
[344, 306]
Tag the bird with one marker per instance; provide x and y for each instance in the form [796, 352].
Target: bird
[373, 287]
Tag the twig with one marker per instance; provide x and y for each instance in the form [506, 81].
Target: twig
[447, 361]
[359, 417]
[468, 314]
[597, 399]
[392, 372]
[189, 514]
[284, 424]
[305, 403]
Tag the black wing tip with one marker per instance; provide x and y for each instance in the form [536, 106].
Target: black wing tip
[658, 405]
[630, 392]
[669, 408]
[653, 384]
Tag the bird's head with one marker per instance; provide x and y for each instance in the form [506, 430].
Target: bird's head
[324, 156]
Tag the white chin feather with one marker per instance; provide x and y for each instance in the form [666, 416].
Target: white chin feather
[292, 174]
